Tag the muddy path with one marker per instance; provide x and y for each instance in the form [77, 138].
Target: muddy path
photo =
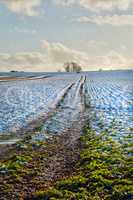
[50, 162]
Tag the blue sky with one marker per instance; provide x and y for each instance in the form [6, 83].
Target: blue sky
[40, 35]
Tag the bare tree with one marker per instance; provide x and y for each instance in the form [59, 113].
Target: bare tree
[72, 67]
[67, 67]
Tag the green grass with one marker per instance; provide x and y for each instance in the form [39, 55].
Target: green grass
[104, 171]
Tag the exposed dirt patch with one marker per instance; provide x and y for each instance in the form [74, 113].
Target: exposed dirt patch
[47, 163]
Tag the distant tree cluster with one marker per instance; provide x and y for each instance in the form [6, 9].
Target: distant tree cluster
[72, 67]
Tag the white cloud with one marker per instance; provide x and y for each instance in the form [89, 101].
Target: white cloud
[55, 54]
[31, 7]
[33, 61]
[24, 7]
[52, 58]
[59, 53]
[110, 60]
[114, 59]
[114, 20]
[99, 4]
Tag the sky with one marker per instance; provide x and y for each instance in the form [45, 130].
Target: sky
[41, 35]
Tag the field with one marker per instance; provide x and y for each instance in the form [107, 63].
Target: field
[53, 115]
[109, 95]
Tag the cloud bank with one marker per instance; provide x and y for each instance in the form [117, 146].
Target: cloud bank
[54, 55]
[99, 4]
[31, 7]
[59, 53]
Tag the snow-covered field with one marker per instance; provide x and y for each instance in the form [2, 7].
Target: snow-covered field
[110, 95]
[111, 100]
[21, 101]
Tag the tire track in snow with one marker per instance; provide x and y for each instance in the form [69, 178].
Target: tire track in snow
[69, 115]
[33, 124]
